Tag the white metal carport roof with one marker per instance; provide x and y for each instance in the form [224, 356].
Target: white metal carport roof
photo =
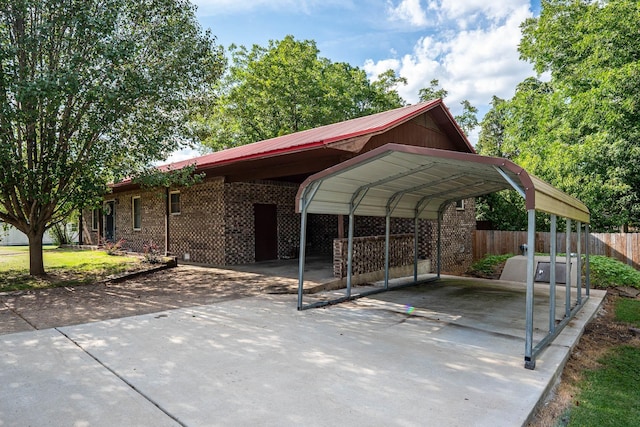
[416, 182]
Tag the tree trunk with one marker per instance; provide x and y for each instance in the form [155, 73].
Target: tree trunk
[36, 264]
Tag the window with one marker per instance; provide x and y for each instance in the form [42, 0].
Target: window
[174, 202]
[460, 205]
[136, 212]
[95, 219]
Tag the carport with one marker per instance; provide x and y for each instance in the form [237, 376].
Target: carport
[403, 181]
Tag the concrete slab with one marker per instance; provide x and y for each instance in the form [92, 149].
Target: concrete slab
[375, 361]
[10, 321]
[46, 380]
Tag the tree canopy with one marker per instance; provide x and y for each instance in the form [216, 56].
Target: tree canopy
[90, 91]
[287, 87]
[467, 120]
[578, 128]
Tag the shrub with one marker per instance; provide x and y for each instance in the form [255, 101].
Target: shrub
[113, 248]
[607, 272]
[489, 266]
[152, 253]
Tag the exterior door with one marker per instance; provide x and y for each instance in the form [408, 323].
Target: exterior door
[266, 231]
[109, 221]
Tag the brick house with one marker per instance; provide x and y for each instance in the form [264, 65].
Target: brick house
[244, 210]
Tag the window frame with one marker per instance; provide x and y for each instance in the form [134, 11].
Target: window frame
[171, 204]
[460, 205]
[133, 213]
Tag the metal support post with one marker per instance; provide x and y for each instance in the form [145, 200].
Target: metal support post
[387, 236]
[350, 253]
[301, 260]
[439, 246]
[587, 251]
[529, 359]
[552, 275]
[415, 249]
[567, 283]
[579, 264]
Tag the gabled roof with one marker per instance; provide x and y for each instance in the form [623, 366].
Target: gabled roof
[329, 136]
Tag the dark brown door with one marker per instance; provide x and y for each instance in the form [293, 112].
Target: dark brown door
[266, 231]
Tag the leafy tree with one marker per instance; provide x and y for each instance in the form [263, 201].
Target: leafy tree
[467, 121]
[492, 130]
[505, 210]
[287, 87]
[90, 91]
[588, 118]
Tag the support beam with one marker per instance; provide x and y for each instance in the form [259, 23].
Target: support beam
[579, 264]
[552, 275]
[304, 202]
[439, 246]
[415, 248]
[350, 253]
[301, 260]
[567, 286]
[387, 236]
[529, 359]
[587, 266]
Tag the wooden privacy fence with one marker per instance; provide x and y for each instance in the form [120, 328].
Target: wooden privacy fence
[621, 246]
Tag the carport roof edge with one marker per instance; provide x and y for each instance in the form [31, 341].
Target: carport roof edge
[406, 180]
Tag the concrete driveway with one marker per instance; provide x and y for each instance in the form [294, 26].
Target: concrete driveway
[421, 356]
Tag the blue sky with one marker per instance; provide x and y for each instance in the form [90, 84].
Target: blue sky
[470, 46]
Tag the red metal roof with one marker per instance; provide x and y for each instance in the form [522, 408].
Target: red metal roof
[312, 138]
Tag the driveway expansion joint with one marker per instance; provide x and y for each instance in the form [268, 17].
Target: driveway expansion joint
[121, 378]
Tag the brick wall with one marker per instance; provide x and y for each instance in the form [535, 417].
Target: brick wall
[239, 198]
[199, 228]
[216, 225]
[152, 220]
[152, 225]
[321, 230]
[457, 244]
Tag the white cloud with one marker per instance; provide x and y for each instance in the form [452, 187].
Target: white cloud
[454, 9]
[180, 155]
[374, 69]
[408, 12]
[473, 53]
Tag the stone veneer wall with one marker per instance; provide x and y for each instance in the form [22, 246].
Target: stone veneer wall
[368, 253]
[457, 228]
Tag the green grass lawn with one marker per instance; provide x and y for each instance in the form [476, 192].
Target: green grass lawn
[610, 395]
[64, 267]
